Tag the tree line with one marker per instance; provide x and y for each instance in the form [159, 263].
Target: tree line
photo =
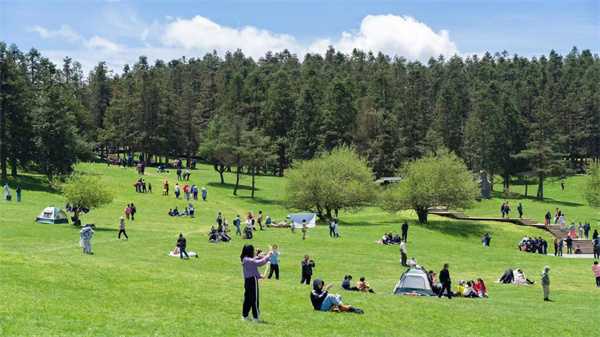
[531, 118]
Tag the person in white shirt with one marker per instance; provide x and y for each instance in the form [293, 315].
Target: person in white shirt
[403, 253]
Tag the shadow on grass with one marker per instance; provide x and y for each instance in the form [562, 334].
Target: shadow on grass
[500, 195]
[29, 183]
[229, 186]
[259, 200]
[462, 229]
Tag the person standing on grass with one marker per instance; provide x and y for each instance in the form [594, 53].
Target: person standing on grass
[133, 211]
[560, 247]
[331, 228]
[181, 243]
[18, 193]
[259, 220]
[403, 253]
[236, 223]
[546, 283]
[555, 247]
[596, 270]
[520, 210]
[177, 191]
[86, 234]
[122, 229]
[166, 187]
[336, 228]
[405, 231]
[502, 210]
[6, 191]
[596, 243]
[586, 229]
[562, 185]
[274, 263]
[128, 211]
[304, 230]
[203, 194]
[446, 281]
[219, 220]
[307, 267]
[580, 229]
[251, 274]
[192, 210]
[506, 210]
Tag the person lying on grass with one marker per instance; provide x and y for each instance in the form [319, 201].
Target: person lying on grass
[323, 301]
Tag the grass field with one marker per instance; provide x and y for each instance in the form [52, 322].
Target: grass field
[48, 287]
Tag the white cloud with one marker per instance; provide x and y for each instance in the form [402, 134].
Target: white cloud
[393, 35]
[205, 35]
[173, 38]
[63, 32]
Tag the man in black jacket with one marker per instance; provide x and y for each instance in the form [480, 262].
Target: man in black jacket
[446, 281]
[404, 230]
[307, 266]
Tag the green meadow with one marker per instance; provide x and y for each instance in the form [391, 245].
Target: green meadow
[49, 288]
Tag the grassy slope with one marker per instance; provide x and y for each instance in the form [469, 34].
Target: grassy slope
[131, 288]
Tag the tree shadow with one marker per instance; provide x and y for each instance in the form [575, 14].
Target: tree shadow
[229, 186]
[260, 200]
[29, 183]
[464, 229]
[500, 195]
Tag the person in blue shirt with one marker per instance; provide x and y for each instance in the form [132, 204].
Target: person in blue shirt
[236, 223]
[274, 263]
[346, 283]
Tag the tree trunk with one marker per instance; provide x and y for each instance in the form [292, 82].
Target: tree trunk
[526, 186]
[506, 184]
[540, 191]
[422, 213]
[49, 174]
[102, 151]
[13, 165]
[253, 174]
[237, 177]
[189, 158]
[320, 214]
[281, 159]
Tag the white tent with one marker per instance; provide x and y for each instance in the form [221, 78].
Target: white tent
[311, 219]
[52, 214]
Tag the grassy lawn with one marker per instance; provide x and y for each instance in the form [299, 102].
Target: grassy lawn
[48, 287]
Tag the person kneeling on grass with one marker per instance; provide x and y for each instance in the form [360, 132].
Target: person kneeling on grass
[323, 301]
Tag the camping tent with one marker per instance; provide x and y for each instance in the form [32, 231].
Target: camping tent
[414, 282]
[52, 214]
[311, 219]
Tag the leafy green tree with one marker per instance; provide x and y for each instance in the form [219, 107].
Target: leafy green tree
[339, 180]
[87, 191]
[217, 145]
[591, 185]
[256, 151]
[440, 179]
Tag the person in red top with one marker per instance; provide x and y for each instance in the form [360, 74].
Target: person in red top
[480, 288]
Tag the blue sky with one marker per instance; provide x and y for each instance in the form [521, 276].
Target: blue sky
[118, 32]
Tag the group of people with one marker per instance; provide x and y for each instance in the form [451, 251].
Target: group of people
[141, 168]
[140, 186]
[533, 245]
[188, 211]
[130, 211]
[185, 175]
[217, 235]
[361, 285]
[486, 239]
[8, 195]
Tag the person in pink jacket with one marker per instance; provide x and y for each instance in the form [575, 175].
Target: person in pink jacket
[128, 211]
[596, 269]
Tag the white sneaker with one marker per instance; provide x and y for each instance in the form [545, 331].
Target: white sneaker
[247, 318]
[257, 320]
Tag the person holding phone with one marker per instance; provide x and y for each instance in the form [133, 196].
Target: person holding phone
[323, 301]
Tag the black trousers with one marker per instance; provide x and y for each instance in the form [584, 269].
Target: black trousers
[305, 278]
[404, 235]
[331, 232]
[274, 269]
[123, 231]
[250, 297]
[132, 215]
[598, 281]
[403, 259]
[446, 286]
[260, 225]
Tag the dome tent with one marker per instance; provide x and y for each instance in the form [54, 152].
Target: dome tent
[414, 282]
[52, 214]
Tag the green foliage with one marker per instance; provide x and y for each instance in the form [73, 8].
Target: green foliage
[440, 179]
[339, 180]
[591, 187]
[88, 190]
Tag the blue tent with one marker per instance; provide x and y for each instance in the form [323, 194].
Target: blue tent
[52, 214]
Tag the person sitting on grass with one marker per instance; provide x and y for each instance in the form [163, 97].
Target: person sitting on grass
[385, 239]
[363, 286]
[480, 288]
[519, 278]
[469, 290]
[225, 237]
[507, 277]
[213, 236]
[247, 233]
[170, 212]
[175, 212]
[346, 283]
[323, 301]
[185, 212]
[461, 288]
